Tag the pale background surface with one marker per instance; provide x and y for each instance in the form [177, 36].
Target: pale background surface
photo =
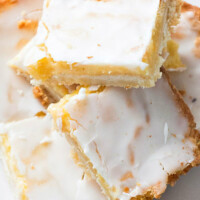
[186, 188]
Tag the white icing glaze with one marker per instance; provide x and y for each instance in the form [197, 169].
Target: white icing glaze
[43, 158]
[188, 80]
[17, 101]
[136, 133]
[168, 163]
[92, 32]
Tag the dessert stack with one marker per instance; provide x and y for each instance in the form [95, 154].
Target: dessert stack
[100, 99]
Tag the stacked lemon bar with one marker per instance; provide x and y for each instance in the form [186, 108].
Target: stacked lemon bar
[104, 139]
[112, 43]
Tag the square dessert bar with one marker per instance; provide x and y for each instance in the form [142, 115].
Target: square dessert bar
[89, 42]
[39, 163]
[133, 142]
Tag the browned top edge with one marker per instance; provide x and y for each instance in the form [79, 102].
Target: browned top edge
[193, 134]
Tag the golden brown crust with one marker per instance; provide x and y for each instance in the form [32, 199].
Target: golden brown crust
[192, 133]
[195, 21]
[180, 102]
[37, 91]
[175, 21]
[41, 96]
[147, 196]
[196, 50]
[42, 93]
[174, 177]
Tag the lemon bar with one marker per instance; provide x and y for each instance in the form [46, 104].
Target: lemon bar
[188, 37]
[40, 165]
[90, 42]
[133, 142]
